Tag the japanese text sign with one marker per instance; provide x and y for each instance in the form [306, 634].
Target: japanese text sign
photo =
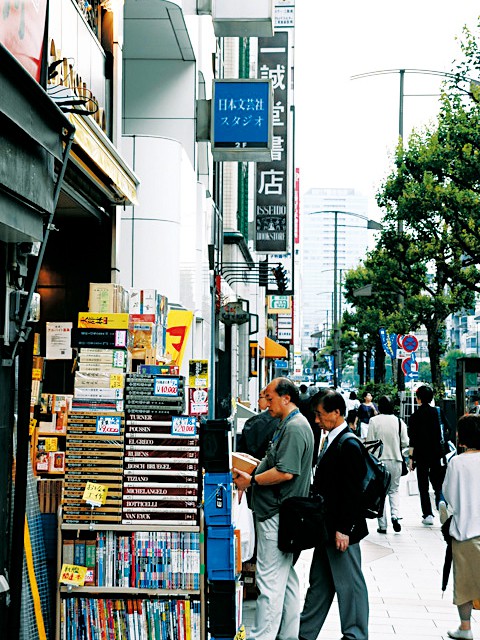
[73, 574]
[241, 118]
[271, 205]
[95, 494]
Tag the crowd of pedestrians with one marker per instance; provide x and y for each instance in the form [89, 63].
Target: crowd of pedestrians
[308, 433]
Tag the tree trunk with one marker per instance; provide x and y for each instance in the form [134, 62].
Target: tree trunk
[435, 330]
[361, 368]
[379, 371]
[368, 359]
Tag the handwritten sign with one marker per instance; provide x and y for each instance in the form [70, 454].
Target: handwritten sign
[95, 494]
[166, 387]
[184, 426]
[116, 381]
[108, 425]
[73, 574]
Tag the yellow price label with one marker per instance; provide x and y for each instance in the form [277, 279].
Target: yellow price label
[95, 493]
[116, 381]
[73, 574]
[36, 374]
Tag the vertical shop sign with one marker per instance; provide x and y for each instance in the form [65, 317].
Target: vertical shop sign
[271, 203]
[253, 362]
[297, 206]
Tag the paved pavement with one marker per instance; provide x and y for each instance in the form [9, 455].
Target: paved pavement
[403, 572]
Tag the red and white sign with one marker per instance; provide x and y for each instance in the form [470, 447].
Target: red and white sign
[197, 402]
[22, 29]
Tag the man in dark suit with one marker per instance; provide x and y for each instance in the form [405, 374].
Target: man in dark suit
[336, 566]
[425, 451]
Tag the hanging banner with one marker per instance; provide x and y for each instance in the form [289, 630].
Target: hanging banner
[253, 360]
[389, 342]
[178, 328]
[271, 205]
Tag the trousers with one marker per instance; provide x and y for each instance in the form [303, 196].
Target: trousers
[435, 473]
[278, 606]
[395, 468]
[335, 572]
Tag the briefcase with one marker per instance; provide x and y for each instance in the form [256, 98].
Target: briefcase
[302, 523]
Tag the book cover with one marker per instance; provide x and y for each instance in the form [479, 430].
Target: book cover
[67, 551]
[79, 552]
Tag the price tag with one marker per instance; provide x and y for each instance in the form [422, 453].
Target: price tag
[95, 494]
[116, 381]
[36, 374]
[73, 574]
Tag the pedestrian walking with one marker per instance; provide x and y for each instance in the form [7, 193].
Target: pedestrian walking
[284, 471]
[461, 489]
[336, 565]
[392, 431]
[366, 410]
[425, 451]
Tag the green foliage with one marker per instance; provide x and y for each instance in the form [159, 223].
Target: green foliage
[378, 390]
[424, 372]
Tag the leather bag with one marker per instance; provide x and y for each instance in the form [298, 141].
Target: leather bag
[302, 523]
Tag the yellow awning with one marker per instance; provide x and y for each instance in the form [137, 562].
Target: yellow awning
[274, 350]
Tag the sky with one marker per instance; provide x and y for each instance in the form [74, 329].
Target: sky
[347, 130]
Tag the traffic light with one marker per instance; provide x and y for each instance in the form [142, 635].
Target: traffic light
[280, 277]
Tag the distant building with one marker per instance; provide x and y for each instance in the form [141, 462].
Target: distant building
[317, 253]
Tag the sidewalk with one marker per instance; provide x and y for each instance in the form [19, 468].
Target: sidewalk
[403, 572]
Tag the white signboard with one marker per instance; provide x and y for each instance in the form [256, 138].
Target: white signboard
[59, 341]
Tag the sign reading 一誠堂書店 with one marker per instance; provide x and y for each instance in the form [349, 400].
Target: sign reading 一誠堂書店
[271, 204]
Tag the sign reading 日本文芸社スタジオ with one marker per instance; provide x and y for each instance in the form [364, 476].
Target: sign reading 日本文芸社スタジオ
[271, 205]
[242, 120]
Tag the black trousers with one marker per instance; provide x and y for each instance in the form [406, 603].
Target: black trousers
[434, 473]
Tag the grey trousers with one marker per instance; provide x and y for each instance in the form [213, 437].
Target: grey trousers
[335, 572]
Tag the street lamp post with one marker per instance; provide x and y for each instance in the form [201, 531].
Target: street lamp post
[371, 224]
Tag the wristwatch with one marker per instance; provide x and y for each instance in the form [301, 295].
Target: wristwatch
[252, 478]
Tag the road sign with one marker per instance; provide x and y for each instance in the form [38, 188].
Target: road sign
[281, 364]
[410, 343]
[410, 367]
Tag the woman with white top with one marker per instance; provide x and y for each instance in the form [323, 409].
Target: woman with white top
[392, 431]
[461, 489]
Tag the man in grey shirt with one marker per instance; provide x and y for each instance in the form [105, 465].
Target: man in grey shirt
[284, 471]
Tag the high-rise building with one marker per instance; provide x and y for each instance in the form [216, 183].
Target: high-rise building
[320, 208]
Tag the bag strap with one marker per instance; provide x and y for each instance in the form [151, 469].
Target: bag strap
[400, 437]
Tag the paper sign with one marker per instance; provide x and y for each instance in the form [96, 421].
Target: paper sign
[166, 387]
[95, 494]
[73, 574]
[59, 341]
[184, 426]
[116, 381]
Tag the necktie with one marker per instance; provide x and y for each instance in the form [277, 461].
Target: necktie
[323, 447]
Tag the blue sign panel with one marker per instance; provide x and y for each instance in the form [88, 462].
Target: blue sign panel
[281, 364]
[241, 114]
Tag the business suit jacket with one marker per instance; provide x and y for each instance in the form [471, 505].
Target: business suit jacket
[424, 434]
[338, 478]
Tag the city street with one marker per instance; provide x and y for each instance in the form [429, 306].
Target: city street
[403, 573]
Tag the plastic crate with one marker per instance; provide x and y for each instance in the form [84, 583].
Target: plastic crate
[224, 607]
[220, 553]
[217, 498]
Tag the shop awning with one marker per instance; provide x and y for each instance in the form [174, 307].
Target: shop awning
[96, 156]
[33, 134]
[274, 350]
